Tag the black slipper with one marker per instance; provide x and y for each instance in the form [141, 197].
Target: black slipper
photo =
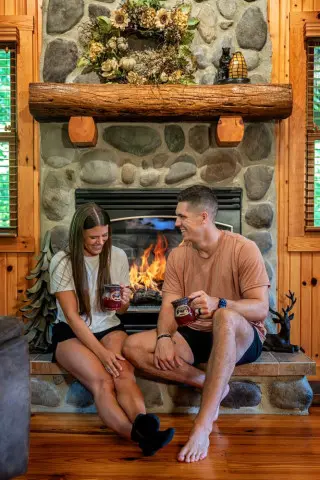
[150, 445]
[145, 425]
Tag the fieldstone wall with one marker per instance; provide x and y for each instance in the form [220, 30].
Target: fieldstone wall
[163, 155]
[284, 395]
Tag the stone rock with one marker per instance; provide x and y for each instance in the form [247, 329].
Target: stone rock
[146, 164]
[252, 29]
[291, 394]
[227, 8]
[57, 194]
[106, 1]
[257, 78]
[59, 60]
[207, 24]
[149, 177]
[79, 396]
[226, 25]
[160, 160]
[128, 173]
[91, 77]
[223, 42]
[151, 392]
[62, 15]
[257, 142]
[56, 148]
[43, 393]
[183, 168]
[59, 238]
[199, 138]
[98, 172]
[174, 138]
[269, 269]
[201, 57]
[262, 239]
[138, 140]
[260, 216]
[252, 59]
[57, 379]
[184, 396]
[257, 180]
[242, 394]
[98, 11]
[207, 78]
[221, 164]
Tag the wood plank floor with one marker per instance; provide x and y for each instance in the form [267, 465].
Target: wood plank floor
[259, 447]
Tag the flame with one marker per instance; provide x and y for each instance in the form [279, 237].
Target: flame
[147, 275]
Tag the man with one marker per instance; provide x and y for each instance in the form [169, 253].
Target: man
[224, 276]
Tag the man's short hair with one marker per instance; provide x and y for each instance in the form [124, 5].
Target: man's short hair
[200, 196]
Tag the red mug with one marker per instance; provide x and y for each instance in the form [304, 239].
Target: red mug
[112, 297]
[184, 314]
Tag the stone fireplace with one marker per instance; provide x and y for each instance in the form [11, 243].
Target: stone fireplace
[163, 156]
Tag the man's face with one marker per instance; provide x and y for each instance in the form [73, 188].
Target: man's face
[94, 239]
[190, 221]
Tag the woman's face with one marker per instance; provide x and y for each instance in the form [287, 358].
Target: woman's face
[94, 239]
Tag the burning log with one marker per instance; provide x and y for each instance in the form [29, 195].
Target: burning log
[144, 296]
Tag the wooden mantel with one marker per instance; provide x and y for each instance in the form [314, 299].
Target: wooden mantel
[163, 102]
[116, 102]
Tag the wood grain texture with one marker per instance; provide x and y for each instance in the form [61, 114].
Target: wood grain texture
[26, 16]
[136, 102]
[273, 447]
[304, 244]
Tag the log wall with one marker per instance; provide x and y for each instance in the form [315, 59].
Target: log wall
[298, 253]
[17, 254]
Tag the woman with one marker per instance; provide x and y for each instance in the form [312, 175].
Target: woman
[88, 339]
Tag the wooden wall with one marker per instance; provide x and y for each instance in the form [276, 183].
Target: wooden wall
[17, 254]
[298, 252]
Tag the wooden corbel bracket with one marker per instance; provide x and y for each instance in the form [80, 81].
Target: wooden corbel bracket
[230, 131]
[83, 131]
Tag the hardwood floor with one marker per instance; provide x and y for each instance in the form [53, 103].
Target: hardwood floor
[264, 447]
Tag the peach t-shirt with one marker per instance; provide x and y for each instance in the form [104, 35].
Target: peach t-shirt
[235, 267]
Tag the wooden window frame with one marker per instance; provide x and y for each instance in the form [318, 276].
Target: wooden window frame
[302, 25]
[20, 28]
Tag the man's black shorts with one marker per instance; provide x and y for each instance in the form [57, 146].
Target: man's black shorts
[201, 345]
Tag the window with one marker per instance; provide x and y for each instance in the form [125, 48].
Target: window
[8, 158]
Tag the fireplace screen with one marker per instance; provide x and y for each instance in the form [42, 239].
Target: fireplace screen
[143, 225]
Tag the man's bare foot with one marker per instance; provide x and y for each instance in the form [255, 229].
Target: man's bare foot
[197, 446]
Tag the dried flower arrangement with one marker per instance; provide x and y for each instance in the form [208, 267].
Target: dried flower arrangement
[107, 51]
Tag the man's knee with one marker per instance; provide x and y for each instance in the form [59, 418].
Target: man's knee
[133, 347]
[225, 319]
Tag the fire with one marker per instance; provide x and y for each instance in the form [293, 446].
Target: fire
[147, 275]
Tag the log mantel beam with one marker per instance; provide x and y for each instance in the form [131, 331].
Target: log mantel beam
[116, 102]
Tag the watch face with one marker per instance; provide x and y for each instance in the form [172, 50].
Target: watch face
[222, 303]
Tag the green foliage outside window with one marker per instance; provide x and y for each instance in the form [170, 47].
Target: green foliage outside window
[5, 121]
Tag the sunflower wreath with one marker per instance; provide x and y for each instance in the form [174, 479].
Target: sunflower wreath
[109, 44]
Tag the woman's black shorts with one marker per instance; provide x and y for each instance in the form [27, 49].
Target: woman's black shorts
[201, 345]
[62, 331]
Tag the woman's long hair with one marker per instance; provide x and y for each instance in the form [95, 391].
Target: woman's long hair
[85, 217]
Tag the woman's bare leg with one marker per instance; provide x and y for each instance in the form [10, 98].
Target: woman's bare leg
[86, 367]
[128, 393]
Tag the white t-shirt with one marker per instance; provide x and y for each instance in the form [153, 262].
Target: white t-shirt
[61, 280]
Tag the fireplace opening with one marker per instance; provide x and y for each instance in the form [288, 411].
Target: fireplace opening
[143, 225]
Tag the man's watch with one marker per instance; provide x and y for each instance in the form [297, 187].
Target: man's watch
[222, 303]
